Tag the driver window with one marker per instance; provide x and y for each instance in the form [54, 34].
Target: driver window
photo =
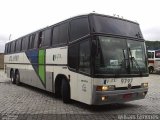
[84, 59]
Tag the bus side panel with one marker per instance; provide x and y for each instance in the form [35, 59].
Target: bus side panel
[84, 89]
[56, 56]
[73, 85]
[13, 61]
[56, 63]
[31, 74]
[49, 82]
[28, 74]
[30, 77]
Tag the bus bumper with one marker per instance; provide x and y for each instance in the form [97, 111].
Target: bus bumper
[118, 96]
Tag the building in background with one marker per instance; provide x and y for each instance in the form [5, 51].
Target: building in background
[1, 60]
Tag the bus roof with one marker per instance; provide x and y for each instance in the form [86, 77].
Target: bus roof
[75, 17]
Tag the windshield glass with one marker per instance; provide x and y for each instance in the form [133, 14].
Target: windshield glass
[137, 56]
[113, 57]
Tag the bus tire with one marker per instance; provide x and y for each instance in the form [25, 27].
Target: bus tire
[151, 69]
[65, 89]
[17, 78]
[12, 76]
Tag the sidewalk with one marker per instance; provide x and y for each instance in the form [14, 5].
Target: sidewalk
[3, 77]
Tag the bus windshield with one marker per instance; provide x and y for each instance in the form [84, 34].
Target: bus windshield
[119, 56]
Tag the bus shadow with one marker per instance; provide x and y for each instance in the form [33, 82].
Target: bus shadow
[79, 105]
[37, 90]
[104, 108]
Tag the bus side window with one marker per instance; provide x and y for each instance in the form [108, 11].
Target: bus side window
[18, 45]
[60, 34]
[40, 37]
[152, 54]
[84, 56]
[63, 33]
[6, 46]
[46, 37]
[25, 41]
[12, 46]
[31, 41]
[73, 56]
[9, 47]
[55, 35]
[157, 54]
[79, 28]
[38, 40]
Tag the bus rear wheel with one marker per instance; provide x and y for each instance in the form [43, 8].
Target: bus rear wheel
[65, 91]
[17, 78]
[12, 77]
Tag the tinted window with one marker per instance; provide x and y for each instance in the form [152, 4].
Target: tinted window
[23, 44]
[157, 54]
[63, 33]
[150, 54]
[6, 46]
[55, 35]
[31, 41]
[47, 37]
[13, 46]
[9, 48]
[103, 24]
[25, 41]
[79, 28]
[40, 39]
[73, 56]
[60, 34]
[84, 59]
[36, 40]
[18, 45]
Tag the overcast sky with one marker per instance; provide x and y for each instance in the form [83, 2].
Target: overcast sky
[20, 17]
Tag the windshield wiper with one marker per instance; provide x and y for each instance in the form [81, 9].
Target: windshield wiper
[125, 61]
[135, 61]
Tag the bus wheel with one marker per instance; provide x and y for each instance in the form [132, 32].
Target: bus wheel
[65, 89]
[12, 77]
[17, 78]
[151, 69]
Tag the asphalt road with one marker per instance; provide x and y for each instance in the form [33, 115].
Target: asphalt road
[29, 103]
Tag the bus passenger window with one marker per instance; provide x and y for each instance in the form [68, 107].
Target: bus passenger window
[73, 56]
[79, 28]
[46, 35]
[31, 41]
[40, 40]
[84, 59]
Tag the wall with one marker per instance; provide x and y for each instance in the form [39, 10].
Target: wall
[1, 60]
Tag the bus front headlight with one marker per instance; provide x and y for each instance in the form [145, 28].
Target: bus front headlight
[144, 85]
[105, 88]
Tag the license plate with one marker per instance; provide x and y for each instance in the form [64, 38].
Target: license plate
[127, 96]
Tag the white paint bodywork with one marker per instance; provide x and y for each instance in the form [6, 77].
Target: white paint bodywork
[120, 82]
[156, 64]
[81, 85]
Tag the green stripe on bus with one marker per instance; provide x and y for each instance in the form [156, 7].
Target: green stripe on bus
[41, 57]
[41, 67]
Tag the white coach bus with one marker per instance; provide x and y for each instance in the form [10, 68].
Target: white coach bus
[89, 58]
[154, 61]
